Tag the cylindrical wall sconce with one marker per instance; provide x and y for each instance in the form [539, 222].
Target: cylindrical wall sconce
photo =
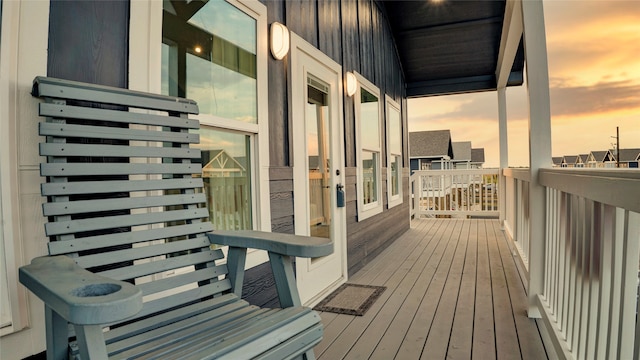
[351, 83]
[279, 40]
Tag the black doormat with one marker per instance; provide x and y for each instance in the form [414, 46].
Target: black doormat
[351, 299]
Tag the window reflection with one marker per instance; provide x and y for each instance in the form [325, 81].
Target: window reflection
[369, 178]
[226, 172]
[209, 55]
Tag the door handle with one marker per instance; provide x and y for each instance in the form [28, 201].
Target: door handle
[340, 195]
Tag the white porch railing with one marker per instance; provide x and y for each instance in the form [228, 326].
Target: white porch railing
[592, 248]
[455, 192]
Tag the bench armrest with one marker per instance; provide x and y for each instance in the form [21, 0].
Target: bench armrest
[284, 244]
[77, 295]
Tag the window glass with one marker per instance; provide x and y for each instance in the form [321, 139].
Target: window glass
[369, 120]
[395, 175]
[209, 55]
[395, 139]
[226, 172]
[369, 177]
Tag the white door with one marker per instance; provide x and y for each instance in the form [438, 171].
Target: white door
[318, 163]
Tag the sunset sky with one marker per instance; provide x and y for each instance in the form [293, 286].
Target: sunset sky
[594, 69]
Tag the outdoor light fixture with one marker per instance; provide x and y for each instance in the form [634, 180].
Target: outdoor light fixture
[352, 83]
[279, 40]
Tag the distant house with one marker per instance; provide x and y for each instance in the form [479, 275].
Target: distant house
[477, 158]
[461, 155]
[569, 161]
[629, 158]
[600, 159]
[557, 161]
[581, 160]
[430, 150]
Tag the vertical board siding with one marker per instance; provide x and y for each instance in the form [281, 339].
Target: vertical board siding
[302, 19]
[88, 41]
[279, 152]
[350, 63]
[366, 32]
[330, 29]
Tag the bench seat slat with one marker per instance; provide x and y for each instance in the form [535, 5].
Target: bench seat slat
[247, 341]
[183, 298]
[86, 206]
[57, 149]
[190, 341]
[77, 169]
[192, 277]
[142, 252]
[73, 90]
[170, 334]
[159, 266]
[102, 241]
[101, 187]
[295, 345]
[101, 223]
[168, 317]
[115, 133]
[84, 113]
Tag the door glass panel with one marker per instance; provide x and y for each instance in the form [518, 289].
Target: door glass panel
[317, 134]
[226, 172]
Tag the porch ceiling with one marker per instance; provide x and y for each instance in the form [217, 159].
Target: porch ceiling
[450, 46]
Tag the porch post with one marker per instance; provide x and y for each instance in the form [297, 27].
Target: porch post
[504, 153]
[537, 73]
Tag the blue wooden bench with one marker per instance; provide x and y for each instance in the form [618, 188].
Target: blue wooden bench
[135, 269]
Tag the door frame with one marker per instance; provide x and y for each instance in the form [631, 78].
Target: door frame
[301, 53]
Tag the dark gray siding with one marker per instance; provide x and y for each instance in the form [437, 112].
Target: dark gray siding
[89, 41]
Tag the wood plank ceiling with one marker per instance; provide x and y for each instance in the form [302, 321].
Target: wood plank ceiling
[450, 46]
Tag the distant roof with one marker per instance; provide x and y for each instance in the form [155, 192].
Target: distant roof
[477, 155]
[424, 144]
[461, 150]
[570, 159]
[628, 154]
[599, 155]
[583, 158]
[557, 160]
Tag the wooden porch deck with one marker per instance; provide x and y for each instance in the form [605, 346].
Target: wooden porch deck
[453, 292]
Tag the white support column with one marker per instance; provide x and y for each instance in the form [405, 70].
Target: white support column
[537, 73]
[504, 152]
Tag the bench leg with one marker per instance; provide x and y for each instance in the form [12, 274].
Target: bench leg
[309, 355]
[91, 342]
[57, 335]
[282, 267]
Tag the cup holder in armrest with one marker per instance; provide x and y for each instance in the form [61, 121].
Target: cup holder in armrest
[95, 290]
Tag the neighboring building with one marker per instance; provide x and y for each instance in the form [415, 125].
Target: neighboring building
[582, 160]
[601, 159]
[557, 161]
[569, 161]
[477, 158]
[461, 155]
[430, 150]
[629, 158]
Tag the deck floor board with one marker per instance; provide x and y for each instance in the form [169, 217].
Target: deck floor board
[453, 292]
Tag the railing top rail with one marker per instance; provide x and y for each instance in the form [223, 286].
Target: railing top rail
[458, 172]
[620, 188]
[519, 173]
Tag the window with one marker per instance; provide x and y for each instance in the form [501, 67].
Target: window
[369, 148]
[394, 153]
[215, 53]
